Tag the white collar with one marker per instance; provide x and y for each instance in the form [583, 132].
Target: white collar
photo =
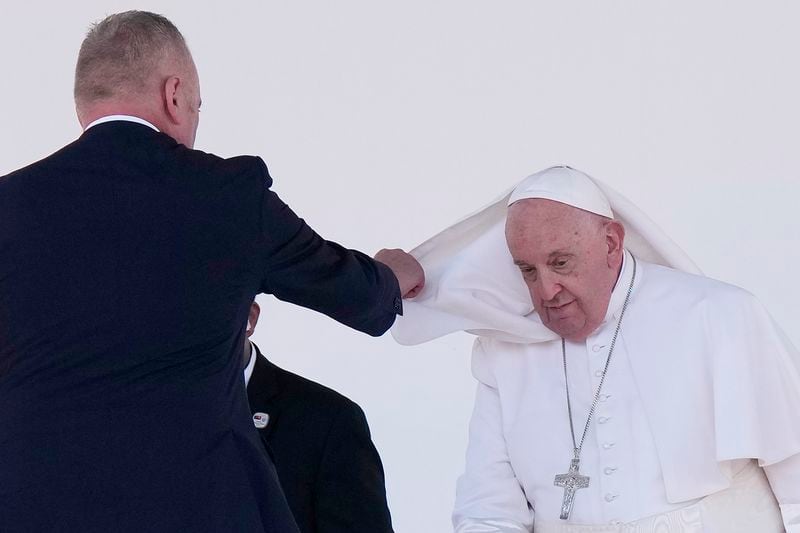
[620, 291]
[124, 118]
[248, 370]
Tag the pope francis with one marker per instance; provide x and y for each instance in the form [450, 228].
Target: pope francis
[618, 389]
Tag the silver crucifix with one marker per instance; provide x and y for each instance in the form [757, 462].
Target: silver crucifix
[571, 481]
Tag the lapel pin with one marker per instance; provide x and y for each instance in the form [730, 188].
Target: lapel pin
[260, 420]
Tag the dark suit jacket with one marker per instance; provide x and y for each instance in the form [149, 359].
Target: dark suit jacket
[127, 266]
[327, 465]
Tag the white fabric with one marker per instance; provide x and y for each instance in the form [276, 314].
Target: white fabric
[791, 517]
[711, 380]
[251, 362]
[123, 118]
[473, 285]
[701, 377]
[565, 185]
[748, 506]
[532, 389]
[784, 477]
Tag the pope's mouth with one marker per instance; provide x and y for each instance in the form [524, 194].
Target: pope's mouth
[561, 312]
[559, 307]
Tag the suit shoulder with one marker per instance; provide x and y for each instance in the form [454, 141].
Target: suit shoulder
[14, 174]
[315, 395]
[242, 165]
[38, 166]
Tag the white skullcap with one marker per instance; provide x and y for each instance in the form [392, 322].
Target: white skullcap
[566, 185]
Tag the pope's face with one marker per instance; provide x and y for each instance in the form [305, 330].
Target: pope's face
[569, 259]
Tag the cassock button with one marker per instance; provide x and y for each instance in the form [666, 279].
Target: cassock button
[598, 373]
[604, 397]
[596, 348]
[608, 445]
[260, 420]
[611, 497]
[603, 419]
[609, 470]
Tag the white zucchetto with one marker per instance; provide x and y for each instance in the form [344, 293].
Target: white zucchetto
[566, 185]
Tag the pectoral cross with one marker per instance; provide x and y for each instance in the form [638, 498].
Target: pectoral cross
[571, 481]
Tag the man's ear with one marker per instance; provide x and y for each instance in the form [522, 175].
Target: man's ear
[615, 239]
[172, 98]
[252, 318]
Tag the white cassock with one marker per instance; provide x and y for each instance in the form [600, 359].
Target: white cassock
[698, 424]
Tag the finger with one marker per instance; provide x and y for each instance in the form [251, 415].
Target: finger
[414, 292]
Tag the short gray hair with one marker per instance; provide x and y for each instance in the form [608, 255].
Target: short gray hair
[121, 52]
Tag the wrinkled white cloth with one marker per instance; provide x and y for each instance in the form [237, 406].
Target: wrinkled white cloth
[472, 283]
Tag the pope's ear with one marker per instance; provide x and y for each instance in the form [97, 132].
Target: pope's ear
[615, 237]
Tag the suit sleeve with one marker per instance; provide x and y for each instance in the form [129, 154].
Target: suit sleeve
[303, 268]
[350, 493]
[489, 498]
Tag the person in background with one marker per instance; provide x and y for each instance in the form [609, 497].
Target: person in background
[320, 442]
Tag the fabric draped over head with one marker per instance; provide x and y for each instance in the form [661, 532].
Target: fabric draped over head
[472, 283]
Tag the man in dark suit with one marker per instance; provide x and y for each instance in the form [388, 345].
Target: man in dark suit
[128, 262]
[328, 466]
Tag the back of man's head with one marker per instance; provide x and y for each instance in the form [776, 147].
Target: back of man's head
[125, 58]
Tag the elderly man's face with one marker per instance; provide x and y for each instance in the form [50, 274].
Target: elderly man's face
[570, 260]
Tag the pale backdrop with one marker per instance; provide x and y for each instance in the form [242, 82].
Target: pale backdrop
[384, 122]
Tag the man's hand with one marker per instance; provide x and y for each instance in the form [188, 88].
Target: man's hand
[408, 271]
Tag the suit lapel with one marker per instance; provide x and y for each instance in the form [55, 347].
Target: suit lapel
[263, 387]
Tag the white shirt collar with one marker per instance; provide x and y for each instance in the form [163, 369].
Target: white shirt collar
[248, 370]
[124, 118]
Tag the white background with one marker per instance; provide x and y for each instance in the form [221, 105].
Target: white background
[384, 122]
